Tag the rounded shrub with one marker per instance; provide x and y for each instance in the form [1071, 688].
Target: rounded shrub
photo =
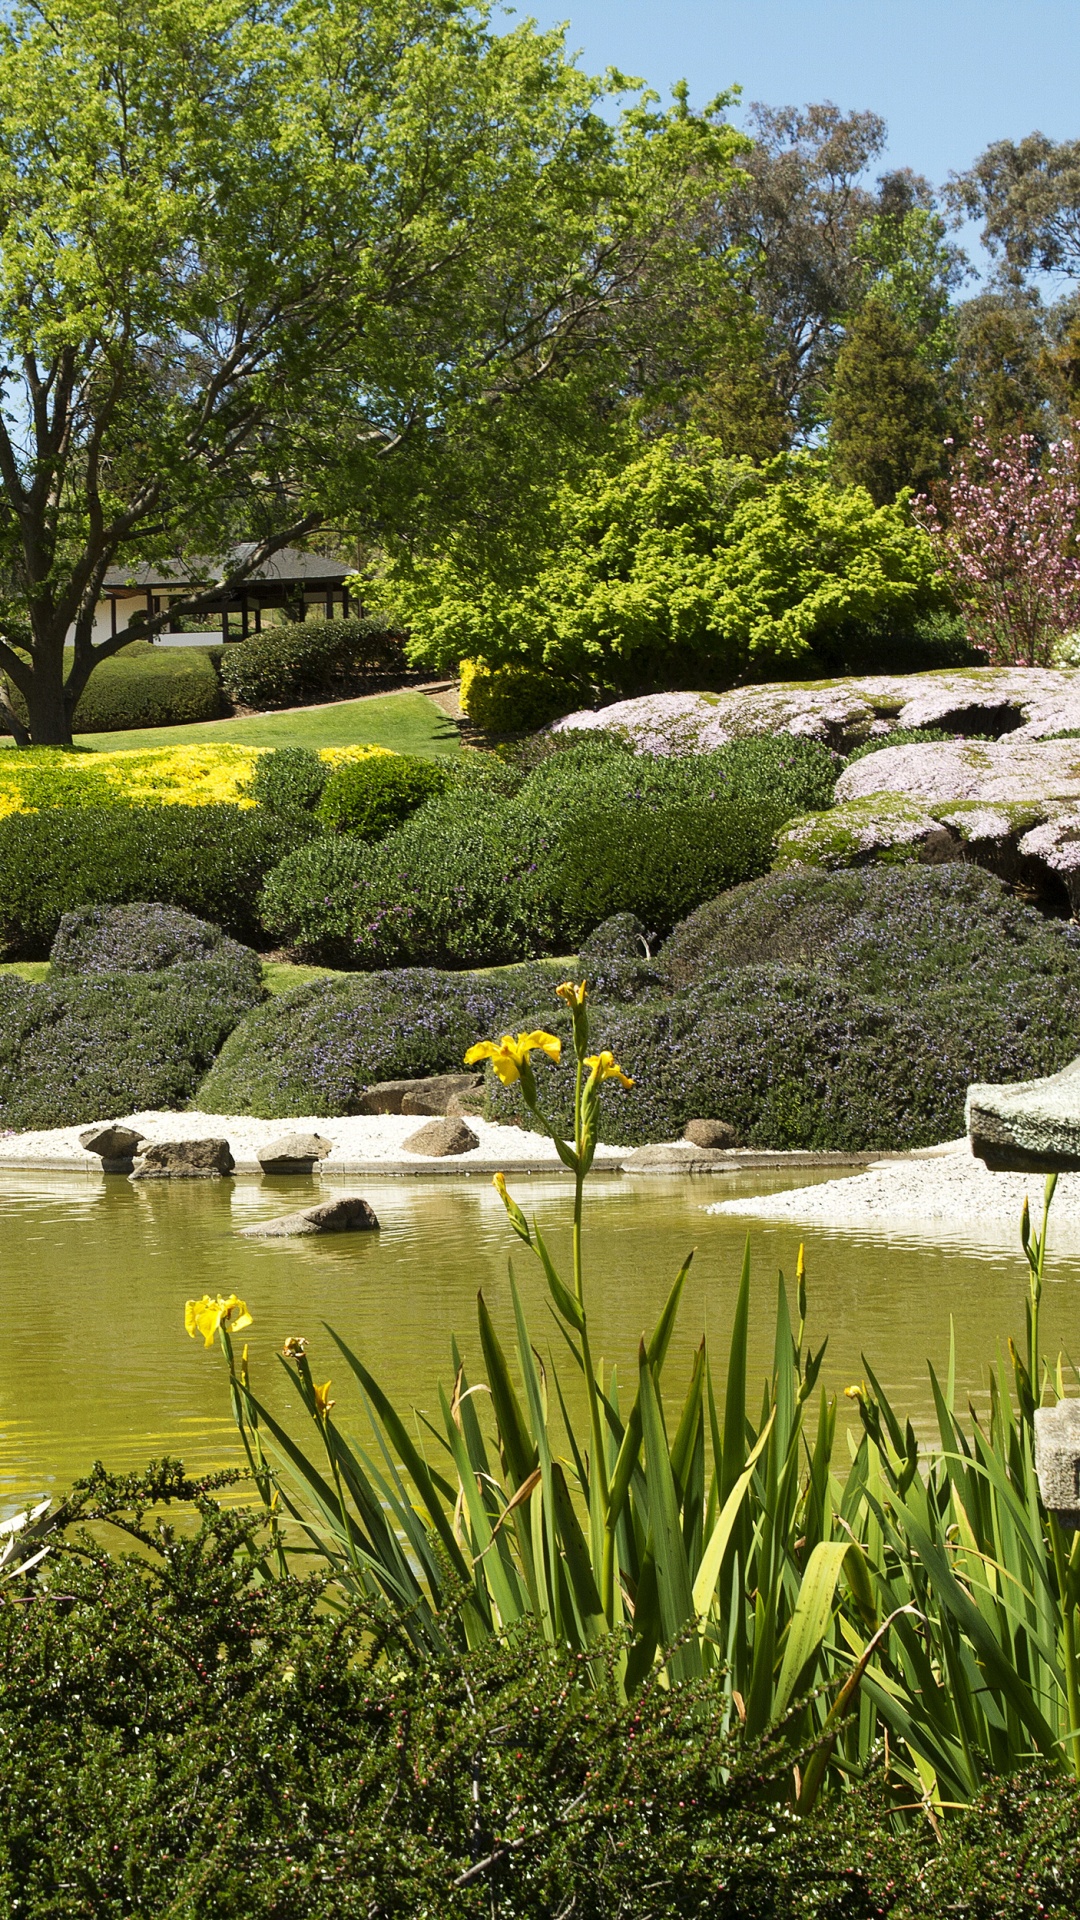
[209, 860]
[370, 798]
[289, 780]
[313, 1051]
[309, 660]
[897, 931]
[146, 937]
[144, 686]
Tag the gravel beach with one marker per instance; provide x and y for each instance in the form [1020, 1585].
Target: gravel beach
[944, 1189]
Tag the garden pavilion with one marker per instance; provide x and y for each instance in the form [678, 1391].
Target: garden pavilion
[289, 581]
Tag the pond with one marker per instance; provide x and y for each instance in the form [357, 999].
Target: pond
[94, 1361]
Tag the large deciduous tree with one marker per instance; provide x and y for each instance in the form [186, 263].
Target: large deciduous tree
[261, 263]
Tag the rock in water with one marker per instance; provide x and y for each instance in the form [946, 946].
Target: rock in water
[1057, 1459]
[675, 1158]
[350, 1214]
[710, 1133]
[183, 1160]
[116, 1145]
[440, 1138]
[294, 1153]
[1027, 1126]
[424, 1096]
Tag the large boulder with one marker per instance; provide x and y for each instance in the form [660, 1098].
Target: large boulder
[442, 1138]
[1026, 702]
[1028, 1126]
[183, 1160]
[1013, 769]
[114, 1144]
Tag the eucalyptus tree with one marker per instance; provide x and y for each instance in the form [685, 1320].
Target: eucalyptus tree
[265, 263]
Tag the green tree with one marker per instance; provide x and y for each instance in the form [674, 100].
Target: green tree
[887, 421]
[680, 567]
[263, 264]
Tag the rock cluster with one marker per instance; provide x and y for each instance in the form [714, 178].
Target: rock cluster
[182, 1160]
[431, 1096]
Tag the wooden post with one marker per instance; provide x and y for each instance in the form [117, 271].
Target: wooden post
[112, 613]
[330, 603]
[225, 620]
[344, 602]
[243, 616]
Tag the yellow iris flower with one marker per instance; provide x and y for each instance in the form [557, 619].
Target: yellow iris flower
[323, 1402]
[602, 1066]
[573, 992]
[205, 1316]
[508, 1055]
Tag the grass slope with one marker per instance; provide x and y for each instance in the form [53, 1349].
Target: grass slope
[407, 722]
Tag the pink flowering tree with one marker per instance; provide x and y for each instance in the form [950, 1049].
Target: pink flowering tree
[1005, 532]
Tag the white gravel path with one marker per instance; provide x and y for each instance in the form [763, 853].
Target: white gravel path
[946, 1190]
[362, 1143]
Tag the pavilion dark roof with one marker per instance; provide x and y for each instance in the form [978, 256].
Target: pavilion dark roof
[288, 567]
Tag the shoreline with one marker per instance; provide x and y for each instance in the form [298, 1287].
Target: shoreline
[366, 1145]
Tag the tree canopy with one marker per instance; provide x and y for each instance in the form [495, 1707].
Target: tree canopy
[262, 264]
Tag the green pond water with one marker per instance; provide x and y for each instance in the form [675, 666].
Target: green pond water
[95, 1364]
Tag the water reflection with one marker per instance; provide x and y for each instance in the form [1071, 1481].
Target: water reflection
[94, 1362]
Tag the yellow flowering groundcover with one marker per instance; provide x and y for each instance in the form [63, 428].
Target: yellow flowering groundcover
[41, 779]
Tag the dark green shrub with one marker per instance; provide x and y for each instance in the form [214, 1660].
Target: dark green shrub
[177, 1739]
[87, 1047]
[907, 643]
[146, 937]
[454, 886]
[310, 660]
[474, 879]
[289, 780]
[146, 686]
[370, 798]
[314, 1050]
[209, 860]
[793, 1058]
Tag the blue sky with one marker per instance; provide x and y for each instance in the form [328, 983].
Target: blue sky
[947, 77]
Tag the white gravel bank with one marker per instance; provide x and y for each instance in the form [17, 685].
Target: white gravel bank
[362, 1143]
[948, 1189]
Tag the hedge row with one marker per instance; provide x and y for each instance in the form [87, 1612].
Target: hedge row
[145, 686]
[478, 877]
[209, 860]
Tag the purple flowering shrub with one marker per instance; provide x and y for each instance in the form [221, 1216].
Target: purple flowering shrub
[313, 1051]
[91, 1047]
[146, 936]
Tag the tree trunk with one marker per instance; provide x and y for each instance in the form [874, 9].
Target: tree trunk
[46, 707]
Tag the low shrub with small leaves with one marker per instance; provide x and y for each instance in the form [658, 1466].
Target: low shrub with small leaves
[145, 937]
[512, 699]
[303, 661]
[209, 860]
[82, 1047]
[178, 1738]
[369, 798]
[289, 780]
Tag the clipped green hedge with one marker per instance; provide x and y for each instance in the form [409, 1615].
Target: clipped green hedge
[145, 686]
[314, 1050]
[476, 878]
[371, 797]
[209, 860]
[309, 660]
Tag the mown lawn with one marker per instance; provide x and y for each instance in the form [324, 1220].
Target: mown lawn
[407, 722]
